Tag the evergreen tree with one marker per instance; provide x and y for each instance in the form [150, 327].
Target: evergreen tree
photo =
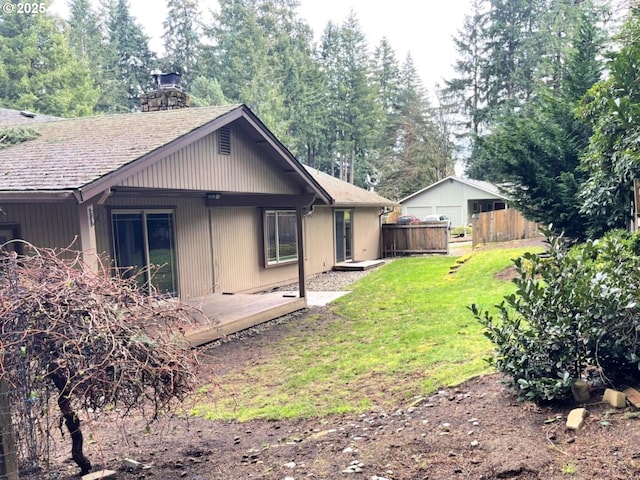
[38, 69]
[205, 92]
[243, 61]
[128, 62]
[612, 161]
[182, 39]
[354, 113]
[512, 50]
[537, 149]
[468, 90]
[84, 32]
[422, 153]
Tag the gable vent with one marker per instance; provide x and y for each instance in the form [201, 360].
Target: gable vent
[224, 141]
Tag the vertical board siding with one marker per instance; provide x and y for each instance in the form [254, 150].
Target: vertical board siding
[53, 225]
[320, 237]
[319, 241]
[198, 166]
[238, 256]
[502, 226]
[193, 246]
[366, 234]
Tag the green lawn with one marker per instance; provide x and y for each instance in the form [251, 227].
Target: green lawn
[404, 331]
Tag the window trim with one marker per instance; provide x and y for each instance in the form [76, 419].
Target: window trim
[265, 237]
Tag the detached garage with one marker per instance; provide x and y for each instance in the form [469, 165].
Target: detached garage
[457, 198]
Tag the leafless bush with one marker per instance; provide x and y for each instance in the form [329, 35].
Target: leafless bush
[90, 341]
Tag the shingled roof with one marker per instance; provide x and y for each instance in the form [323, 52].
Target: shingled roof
[345, 194]
[23, 118]
[80, 156]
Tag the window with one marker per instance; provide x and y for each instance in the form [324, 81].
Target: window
[143, 244]
[281, 242]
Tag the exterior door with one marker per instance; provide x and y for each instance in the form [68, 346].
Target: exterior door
[344, 235]
[143, 243]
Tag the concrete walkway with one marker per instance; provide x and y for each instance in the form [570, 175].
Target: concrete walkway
[317, 299]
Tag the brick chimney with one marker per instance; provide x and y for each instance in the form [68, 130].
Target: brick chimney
[167, 95]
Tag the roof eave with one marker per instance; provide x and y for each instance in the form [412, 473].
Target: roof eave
[10, 196]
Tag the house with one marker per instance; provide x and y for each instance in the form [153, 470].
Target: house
[208, 193]
[456, 197]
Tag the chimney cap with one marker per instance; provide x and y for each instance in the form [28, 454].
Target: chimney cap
[167, 80]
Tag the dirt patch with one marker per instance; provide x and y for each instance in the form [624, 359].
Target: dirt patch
[474, 431]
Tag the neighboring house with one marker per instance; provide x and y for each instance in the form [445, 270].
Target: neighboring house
[457, 198]
[209, 193]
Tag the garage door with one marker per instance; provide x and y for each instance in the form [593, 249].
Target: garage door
[420, 211]
[454, 212]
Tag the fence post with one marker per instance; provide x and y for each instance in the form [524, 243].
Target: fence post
[8, 454]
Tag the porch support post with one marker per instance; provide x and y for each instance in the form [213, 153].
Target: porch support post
[300, 231]
[88, 245]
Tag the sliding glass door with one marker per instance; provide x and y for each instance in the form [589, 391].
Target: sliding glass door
[143, 243]
[344, 234]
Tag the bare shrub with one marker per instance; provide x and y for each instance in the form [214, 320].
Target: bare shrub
[89, 341]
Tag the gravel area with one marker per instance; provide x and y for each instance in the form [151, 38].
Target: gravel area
[332, 281]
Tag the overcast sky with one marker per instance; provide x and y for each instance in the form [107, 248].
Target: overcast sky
[424, 28]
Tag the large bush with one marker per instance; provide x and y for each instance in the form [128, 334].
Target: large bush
[575, 313]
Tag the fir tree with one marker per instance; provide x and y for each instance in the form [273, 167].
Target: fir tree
[128, 62]
[39, 71]
[182, 39]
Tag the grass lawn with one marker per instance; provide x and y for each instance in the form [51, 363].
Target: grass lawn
[404, 331]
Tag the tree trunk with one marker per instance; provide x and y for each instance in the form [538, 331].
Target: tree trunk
[71, 420]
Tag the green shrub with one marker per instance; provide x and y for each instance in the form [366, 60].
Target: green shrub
[574, 311]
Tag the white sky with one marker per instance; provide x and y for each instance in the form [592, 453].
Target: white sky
[422, 27]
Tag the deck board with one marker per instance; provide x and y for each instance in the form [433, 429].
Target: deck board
[357, 266]
[229, 314]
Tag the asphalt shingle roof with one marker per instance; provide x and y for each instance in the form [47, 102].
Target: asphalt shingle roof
[71, 153]
[22, 118]
[346, 194]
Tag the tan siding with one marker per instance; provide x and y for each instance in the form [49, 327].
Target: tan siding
[44, 225]
[320, 241]
[192, 238]
[320, 238]
[237, 240]
[366, 234]
[198, 166]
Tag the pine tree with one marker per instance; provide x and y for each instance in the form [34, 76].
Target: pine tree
[39, 71]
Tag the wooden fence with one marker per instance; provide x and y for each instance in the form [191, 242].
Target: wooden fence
[431, 237]
[502, 226]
